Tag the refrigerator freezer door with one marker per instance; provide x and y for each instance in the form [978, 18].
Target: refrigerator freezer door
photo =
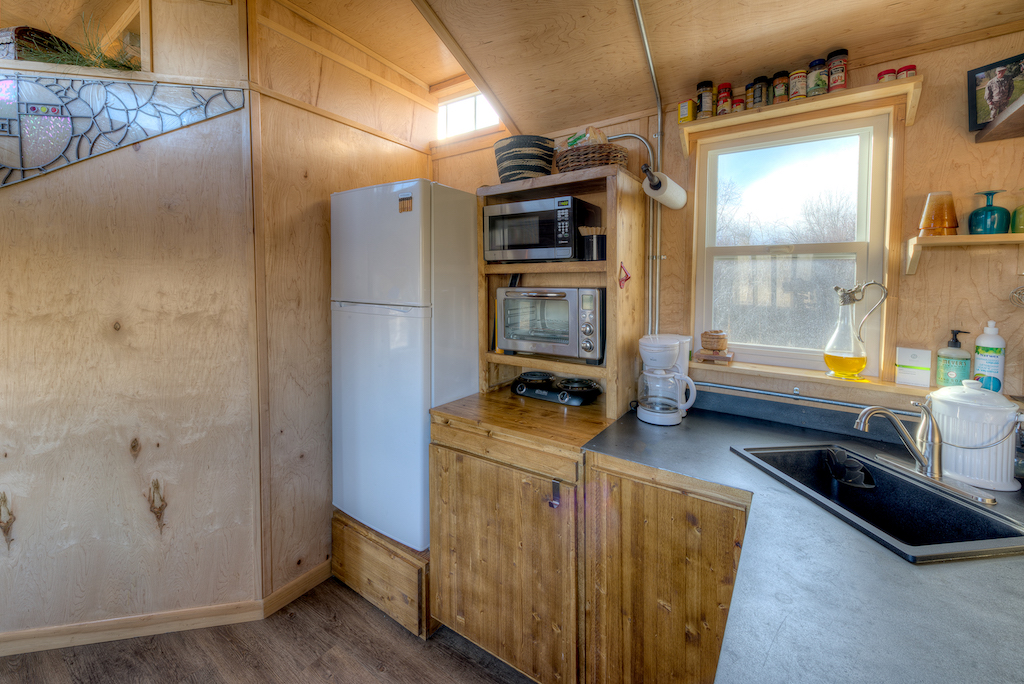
[380, 389]
[380, 244]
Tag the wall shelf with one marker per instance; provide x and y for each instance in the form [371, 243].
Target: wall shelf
[548, 267]
[903, 87]
[916, 245]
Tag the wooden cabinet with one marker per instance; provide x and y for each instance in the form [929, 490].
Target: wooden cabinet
[503, 547]
[661, 557]
[622, 200]
[627, 579]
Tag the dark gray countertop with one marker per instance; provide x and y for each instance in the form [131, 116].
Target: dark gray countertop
[818, 601]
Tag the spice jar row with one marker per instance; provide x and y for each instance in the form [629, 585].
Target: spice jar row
[820, 77]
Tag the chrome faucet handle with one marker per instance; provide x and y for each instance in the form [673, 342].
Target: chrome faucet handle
[929, 440]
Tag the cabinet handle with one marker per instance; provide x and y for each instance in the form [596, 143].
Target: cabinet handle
[556, 495]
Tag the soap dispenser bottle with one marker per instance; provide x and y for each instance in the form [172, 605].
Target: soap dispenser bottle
[990, 358]
[954, 364]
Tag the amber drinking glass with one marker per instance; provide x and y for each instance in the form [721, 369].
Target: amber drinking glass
[939, 215]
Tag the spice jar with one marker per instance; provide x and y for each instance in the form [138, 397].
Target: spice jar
[739, 104]
[817, 78]
[724, 99]
[761, 88]
[837, 60]
[905, 71]
[780, 87]
[748, 96]
[798, 84]
[705, 100]
[887, 75]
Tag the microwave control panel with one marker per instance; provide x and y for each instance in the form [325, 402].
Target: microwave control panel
[563, 234]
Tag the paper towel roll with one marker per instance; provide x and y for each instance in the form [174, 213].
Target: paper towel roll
[669, 194]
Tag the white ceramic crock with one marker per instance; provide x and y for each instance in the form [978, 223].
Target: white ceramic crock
[969, 416]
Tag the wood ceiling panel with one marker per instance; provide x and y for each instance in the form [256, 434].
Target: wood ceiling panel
[392, 28]
[554, 64]
[546, 61]
[63, 18]
[733, 40]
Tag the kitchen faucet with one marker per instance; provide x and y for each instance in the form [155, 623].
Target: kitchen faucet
[926, 447]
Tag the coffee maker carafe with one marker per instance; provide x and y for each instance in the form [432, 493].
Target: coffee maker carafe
[661, 385]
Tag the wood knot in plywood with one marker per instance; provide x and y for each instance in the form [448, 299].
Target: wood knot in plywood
[117, 326]
[157, 503]
[135, 447]
[7, 519]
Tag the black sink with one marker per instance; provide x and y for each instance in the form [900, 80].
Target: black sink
[902, 512]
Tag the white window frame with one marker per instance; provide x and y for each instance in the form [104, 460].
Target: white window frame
[870, 255]
[475, 96]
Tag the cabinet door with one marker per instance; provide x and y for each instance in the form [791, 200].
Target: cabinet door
[503, 562]
[660, 568]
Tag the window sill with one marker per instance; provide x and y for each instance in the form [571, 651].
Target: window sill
[804, 384]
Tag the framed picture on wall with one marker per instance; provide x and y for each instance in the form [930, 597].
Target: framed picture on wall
[991, 89]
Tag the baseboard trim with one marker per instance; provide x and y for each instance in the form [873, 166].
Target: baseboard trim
[81, 633]
[296, 588]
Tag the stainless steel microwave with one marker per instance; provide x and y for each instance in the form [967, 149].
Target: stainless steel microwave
[537, 230]
[567, 322]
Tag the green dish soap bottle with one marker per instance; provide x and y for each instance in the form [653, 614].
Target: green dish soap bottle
[954, 364]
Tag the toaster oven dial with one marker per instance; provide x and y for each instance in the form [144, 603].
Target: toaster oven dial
[587, 345]
[587, 329]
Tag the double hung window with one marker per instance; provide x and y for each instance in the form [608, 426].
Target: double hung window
[784, 217]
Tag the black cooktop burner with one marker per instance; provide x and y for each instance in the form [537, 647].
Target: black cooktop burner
[567, 391]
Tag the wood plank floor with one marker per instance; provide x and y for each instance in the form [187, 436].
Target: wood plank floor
[329, 635]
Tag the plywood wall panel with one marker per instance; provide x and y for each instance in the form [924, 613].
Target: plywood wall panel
[305, 158]
[297, 70]
[199, 39]
[958, 287]
[279, 14]
[467, 171]
[126, 354]
[676, 239]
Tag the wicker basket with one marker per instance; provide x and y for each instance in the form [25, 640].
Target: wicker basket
[589, 156]
[713, 340]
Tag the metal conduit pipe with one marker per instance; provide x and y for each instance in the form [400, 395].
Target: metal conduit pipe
[654, 300]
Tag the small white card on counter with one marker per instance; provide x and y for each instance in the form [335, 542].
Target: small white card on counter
[914, 366]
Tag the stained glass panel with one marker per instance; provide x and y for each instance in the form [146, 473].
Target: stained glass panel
[47, 123]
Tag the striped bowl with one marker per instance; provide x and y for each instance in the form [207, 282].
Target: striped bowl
[524, 156]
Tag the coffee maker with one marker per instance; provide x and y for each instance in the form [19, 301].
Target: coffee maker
[661, 385]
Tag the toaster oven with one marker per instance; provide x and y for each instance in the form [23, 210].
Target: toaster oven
[566, 322]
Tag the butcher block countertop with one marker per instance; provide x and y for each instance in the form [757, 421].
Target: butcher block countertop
[543, 421]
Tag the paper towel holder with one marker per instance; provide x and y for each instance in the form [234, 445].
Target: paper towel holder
[662, 189]
[652, 179]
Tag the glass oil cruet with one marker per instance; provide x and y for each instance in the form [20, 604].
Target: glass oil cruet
[845, 354]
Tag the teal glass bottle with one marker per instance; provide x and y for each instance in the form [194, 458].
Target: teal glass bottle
[989, 219]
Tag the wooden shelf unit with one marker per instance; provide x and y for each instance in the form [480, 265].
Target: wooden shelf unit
[622, 200]
[916, 245]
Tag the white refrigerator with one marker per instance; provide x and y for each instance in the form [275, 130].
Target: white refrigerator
[403, 340]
